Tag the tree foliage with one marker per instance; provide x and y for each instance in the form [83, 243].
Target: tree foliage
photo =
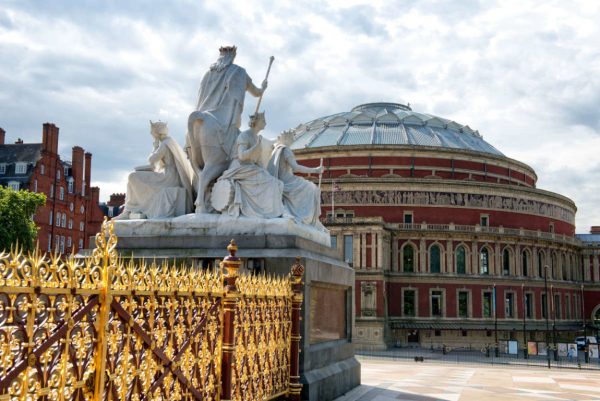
[16, 223]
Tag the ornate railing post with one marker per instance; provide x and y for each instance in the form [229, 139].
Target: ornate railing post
[295, 387]
[104, 255]
[230, 266]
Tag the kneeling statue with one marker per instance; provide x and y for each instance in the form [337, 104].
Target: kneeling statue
[163, 188]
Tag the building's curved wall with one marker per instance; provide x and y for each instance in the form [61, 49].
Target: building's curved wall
[386, 198]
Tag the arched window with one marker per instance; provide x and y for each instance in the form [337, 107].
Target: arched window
[565, 270]
[553, 267]
[434, 259]
[408, 259]
[524, 263]
[541, 264]
[484, 261]
[596, 318]
[506, 262]
[461, 260]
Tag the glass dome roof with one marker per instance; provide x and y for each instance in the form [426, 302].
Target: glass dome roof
[388, 124]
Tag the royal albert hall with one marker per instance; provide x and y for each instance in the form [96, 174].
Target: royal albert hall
[451, 241]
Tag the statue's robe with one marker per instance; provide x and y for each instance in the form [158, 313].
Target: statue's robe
[220, 104]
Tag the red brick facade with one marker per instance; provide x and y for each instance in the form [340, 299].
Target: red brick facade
[71, 213]
[464, 204]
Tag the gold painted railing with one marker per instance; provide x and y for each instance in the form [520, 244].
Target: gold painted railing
[102, 328]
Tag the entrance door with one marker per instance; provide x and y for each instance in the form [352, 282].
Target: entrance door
[413, 336]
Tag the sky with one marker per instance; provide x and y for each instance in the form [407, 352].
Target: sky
[525, 74]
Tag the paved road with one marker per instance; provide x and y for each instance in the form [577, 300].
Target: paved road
[386, 380]
[466, 356]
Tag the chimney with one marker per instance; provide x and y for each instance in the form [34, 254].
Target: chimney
[95, 191]
[116, 200]
[77, 168]
[88, 171]
[50, 138]
[2, 136]
[595, 230]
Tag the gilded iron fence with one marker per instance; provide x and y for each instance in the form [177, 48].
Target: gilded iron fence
[102, 328]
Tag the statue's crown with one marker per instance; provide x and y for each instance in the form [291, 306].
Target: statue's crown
[286, 136]
[159, 127]
[227, 49]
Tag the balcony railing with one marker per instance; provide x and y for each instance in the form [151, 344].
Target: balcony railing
[521, 232]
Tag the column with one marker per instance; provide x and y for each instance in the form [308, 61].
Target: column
[474, 258]
[423, 255]
[380, 251]
[394, 245]
[449, 256]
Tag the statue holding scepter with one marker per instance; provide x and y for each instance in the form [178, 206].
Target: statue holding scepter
[215, 125]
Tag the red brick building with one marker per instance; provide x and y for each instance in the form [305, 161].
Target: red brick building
[71, 213]
[440, 226]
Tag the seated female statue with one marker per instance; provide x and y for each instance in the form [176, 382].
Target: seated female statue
[164, 187]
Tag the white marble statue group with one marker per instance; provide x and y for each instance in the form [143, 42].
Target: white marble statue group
[222, 169]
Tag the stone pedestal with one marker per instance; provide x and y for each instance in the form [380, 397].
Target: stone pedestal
[328, 367]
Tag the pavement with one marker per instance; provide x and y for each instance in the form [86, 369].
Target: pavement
[386, 380]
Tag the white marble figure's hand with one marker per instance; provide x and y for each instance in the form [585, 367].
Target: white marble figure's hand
[319, 170]
[264, 85]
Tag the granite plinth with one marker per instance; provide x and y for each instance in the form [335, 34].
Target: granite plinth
[328, 368]
[193, 225]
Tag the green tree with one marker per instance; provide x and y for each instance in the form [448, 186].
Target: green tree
[16, 223]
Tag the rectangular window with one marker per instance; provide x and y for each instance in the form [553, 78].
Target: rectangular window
[14, 185]
[57, 219]
[50, 219]
[529, 306]
[463, 304]
[333, 237]
[509, 305]
[20, 168]
[35, 185]
[71, 183]
[348, 251]
[81, 226]
[3, 168]
[50, 241]
[567, 307]
[62, 244]
[64, 220]
[409, 303]
[69, 242]
[544, 307]
[51, 195]
[557, 314]
[487, 304]
[484, 220]
[80, 244]
[408, 217]
[436, 304]
[61, 193]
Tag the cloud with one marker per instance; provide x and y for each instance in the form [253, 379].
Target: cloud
[523, 73]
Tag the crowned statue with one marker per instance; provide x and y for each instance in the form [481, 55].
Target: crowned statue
[163, 188]
[215, 124]
[224, 174]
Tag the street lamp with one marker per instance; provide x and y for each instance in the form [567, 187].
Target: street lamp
[525, 355]
[583, 322]
[554, 322]
[545, 306]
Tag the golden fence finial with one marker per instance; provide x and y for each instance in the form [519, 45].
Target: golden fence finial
[297, 270]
